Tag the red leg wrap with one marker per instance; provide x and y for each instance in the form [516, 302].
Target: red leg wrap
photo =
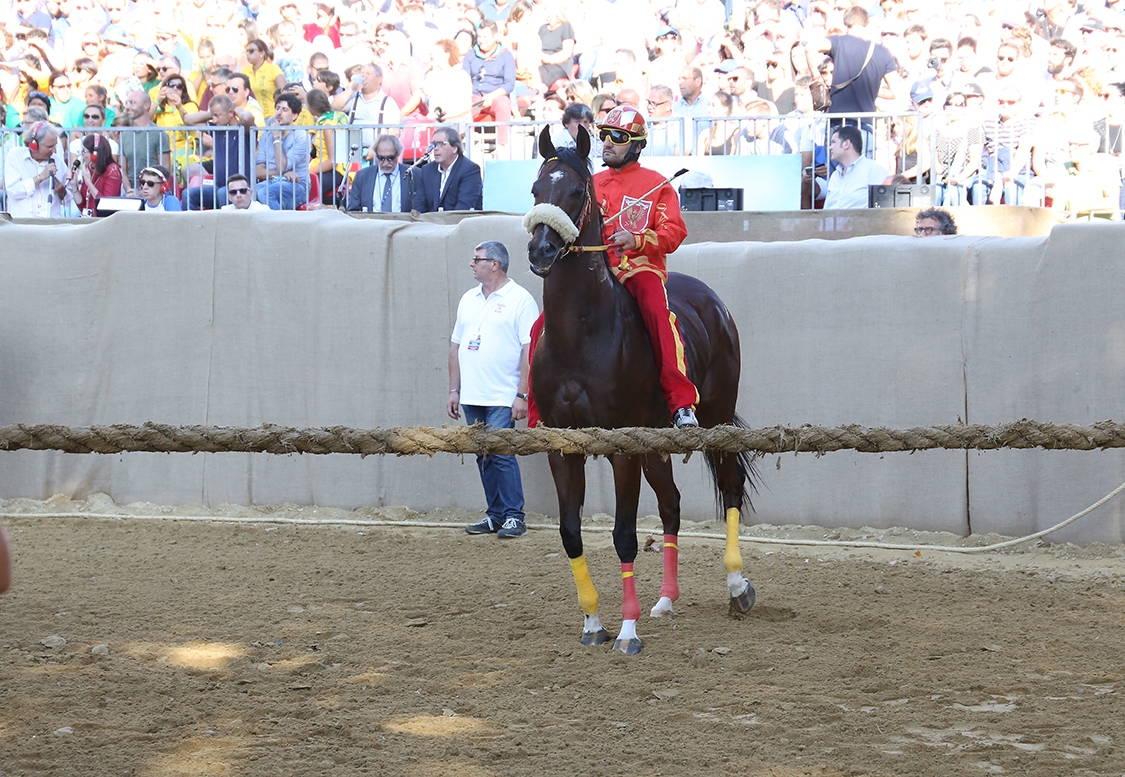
[671, 585]
[630, 606]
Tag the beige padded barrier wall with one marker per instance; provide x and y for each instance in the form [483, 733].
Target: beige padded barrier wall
[319, 319]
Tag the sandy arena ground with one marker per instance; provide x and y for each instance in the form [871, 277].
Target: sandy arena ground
[202, 648]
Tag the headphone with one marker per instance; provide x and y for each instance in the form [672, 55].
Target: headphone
[163, 178]
[36, 132]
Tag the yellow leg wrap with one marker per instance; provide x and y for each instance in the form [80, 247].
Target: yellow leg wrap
[732, 559]
[587, 596]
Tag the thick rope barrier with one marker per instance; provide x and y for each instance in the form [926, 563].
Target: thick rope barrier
[415, 440]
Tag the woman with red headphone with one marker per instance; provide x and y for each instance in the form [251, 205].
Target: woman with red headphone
[98, 175]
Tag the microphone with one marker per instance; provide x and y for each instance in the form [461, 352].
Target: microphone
[425, 155]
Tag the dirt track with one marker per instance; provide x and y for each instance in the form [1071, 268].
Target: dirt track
[297, 650]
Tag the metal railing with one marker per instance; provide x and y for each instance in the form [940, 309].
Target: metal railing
[200, 173]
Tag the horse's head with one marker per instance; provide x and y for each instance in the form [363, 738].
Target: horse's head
[563, 201]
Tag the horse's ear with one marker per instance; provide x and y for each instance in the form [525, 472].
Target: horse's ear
[546, 145]
[583, 144]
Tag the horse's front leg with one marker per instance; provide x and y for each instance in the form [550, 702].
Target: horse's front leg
[627, 486]
[569, 474]
[658, 473]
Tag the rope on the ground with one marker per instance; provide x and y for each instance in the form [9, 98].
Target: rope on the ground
[376, 522]
[414, 440]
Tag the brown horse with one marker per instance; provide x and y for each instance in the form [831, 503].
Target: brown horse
[594, 366]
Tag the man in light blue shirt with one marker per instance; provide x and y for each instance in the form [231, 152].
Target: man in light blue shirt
[283, 158]
[847, 186]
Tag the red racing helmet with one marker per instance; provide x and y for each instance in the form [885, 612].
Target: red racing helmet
[627, 119]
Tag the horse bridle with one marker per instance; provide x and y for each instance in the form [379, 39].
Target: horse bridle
[580, 224]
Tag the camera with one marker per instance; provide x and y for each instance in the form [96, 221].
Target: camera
[934, 63]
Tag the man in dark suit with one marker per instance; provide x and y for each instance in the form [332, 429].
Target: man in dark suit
[449, 181]
[385, 186]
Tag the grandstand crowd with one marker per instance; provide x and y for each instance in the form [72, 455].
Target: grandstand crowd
[987, 102]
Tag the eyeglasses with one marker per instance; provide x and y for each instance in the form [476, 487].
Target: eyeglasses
[165, 68]
[150, 183]
[442, 143]
[243, 190]
[60, 86]
[955, 105]
[773, 64]
[617, 137]
[657, 103]
[926, 230]
[1005, 59]
[1008, 102]
[382, 158]
[95, 116]
[1065, 91]
[476, 259]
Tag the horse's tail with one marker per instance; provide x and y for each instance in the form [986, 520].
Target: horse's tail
[741, 479]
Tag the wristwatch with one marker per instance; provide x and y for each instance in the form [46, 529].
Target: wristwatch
[522, 396]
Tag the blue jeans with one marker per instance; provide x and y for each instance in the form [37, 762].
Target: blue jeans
[204, 197]
[500, 475]
[282, 195]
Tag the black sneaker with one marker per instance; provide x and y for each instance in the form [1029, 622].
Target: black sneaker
[513, 527]
[483, 526]
[685, 416]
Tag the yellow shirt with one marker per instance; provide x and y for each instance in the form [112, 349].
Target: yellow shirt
[263, 84]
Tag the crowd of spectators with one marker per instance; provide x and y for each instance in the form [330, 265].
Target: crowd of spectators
[998, 101]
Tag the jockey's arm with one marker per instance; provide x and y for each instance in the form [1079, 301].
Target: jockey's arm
[667, 229]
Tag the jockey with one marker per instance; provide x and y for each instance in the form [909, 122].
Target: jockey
[646, 231]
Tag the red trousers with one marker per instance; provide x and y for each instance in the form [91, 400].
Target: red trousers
[648, 289]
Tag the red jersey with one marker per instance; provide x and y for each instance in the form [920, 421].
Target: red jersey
[655, 220]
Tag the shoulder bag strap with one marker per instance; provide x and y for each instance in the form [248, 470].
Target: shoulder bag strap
[866, 60]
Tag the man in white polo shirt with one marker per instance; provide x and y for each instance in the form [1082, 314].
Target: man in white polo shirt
[488, 367]
[847, 186]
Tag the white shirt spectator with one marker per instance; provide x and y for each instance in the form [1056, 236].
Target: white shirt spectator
[254, 205]
[25, 198]
[490, 333]
[380, 109]
[847, 186]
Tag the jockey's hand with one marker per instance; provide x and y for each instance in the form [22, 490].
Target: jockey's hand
[623, 239]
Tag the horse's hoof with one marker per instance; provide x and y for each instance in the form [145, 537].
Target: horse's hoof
[663, 609]
[599, 637]
[742, 603]
[629, 647]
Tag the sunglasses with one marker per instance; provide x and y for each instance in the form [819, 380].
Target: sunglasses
[615, 136]
[243, 190]
[955, 105]
[925, 230]
[773, 64]
[1008, 102]
[1005, 59]
[476, 259]
[95, 116]
[234, 89]
[1065, 91]
[385, 158]
[150, 183]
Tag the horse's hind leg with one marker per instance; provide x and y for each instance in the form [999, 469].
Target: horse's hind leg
[730, 478]
[658, 473]
[569, 474]
[627, 487]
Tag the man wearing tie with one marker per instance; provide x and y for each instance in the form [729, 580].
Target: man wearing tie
[450, 181]
[385, 187]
